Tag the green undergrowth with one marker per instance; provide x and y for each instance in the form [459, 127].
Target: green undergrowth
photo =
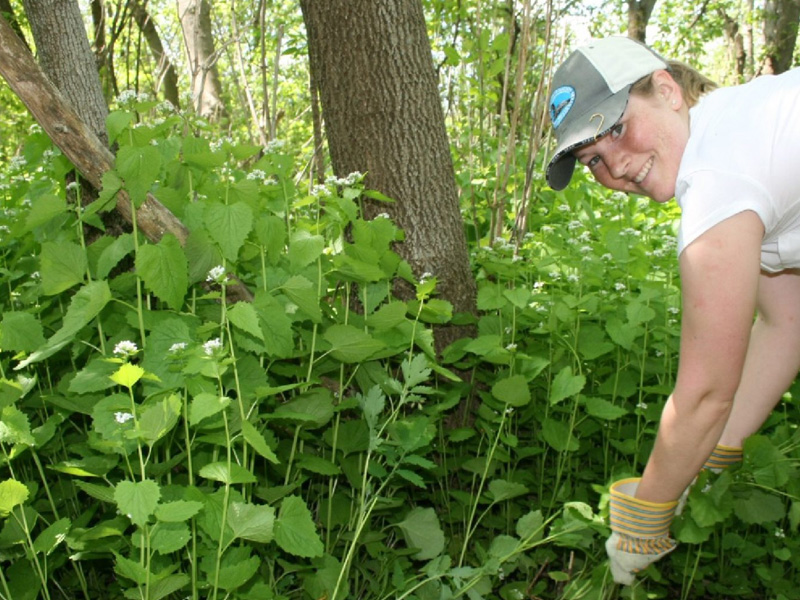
[162, 440]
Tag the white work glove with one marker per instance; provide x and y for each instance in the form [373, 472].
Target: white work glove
[721, 458]
[640, 531]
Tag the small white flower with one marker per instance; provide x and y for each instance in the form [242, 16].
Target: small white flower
[642, 405]
[564, 207]
[779, 533]
[177, 347]
[122, 417]
[274, 146]
[256, 174]
[290, 308]
[425, 276]
[620, 287]
[547, 229]
[572, 278]
[36, 275]
[212, 346]
[511, 347]
[574, 225]
[73, 186]
[125, 348]
[382, 215]
[216, 275]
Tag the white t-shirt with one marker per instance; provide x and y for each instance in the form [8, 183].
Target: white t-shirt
[743, 154]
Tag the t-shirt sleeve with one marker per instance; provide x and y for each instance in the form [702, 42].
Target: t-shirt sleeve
[707, 198]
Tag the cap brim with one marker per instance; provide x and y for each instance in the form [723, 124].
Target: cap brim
[585, 129]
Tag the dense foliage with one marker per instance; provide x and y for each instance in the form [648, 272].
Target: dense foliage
[158, 442]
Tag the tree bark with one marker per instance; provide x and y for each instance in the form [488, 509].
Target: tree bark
[79, 143]
[195, 17]
[67, 59]
[372, 63]
[165, 74]
[780, 34]
[639, 12]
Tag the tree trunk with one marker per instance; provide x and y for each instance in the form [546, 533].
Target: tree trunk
[372, 63]
[195, 17]
[639, 12]
[736, 41]
[780, 34]
[66, 58]
[165, 74]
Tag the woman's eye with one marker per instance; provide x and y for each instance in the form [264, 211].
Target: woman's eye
[616, 131]
[593, 162]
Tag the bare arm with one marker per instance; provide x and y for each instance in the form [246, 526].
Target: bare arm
[773, 356]
[719, 281]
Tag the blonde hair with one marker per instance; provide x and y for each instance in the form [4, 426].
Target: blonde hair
[693, 83]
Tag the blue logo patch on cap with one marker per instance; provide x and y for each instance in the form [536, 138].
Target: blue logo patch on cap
[560, 103]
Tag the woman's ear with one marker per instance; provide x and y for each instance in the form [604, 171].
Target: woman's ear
[667, 88]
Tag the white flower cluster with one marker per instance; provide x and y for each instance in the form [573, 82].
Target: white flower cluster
[216, 275]
[122, 417]
[211, 346]
[125, 349]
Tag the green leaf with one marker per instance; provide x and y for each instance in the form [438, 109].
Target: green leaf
[275, 326]
[758, 507]
[317, 464]
[127, 375]
[233, 474]
[236, 575]
[558, 436]
[565, 385]
[139, 167]
[158, 419]
[170, 537]
[94, 377]
[623, 334]
[350, 344]
[421, 530]
[603, 409]
[244, 316]
[103, 493]
[304, 248]
[294, 529]
[164, 270]
[177, 511]
[205, 405]
[129, 569]
[592, 342]
[43, 210]
[530, 526]
[765, 461]
[52, 536]
[270, 231]
[12, 494]
[115, 252]
[86, 304]
[413, 433]
[638, 313]
[314, 408]
[252, 522]
[304, 294]
[503, 547]
[411, 477]
[138, 499]
[253, 437]
[167, 586]
[20, 332]
[15, 427]
[63, 265]
[501, 490]
[228, 226]
[513, 391]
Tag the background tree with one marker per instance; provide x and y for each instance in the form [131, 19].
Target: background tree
[383, 117]
[201, 53]
[780, 34]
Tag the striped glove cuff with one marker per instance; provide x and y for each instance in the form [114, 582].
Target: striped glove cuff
[723, 457]
[639, 520]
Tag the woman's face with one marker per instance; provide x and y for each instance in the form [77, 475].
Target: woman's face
[642, 152]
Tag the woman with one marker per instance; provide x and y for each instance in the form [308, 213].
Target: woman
[731, 158]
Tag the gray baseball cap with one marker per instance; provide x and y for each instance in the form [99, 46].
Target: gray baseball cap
[589, 93]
